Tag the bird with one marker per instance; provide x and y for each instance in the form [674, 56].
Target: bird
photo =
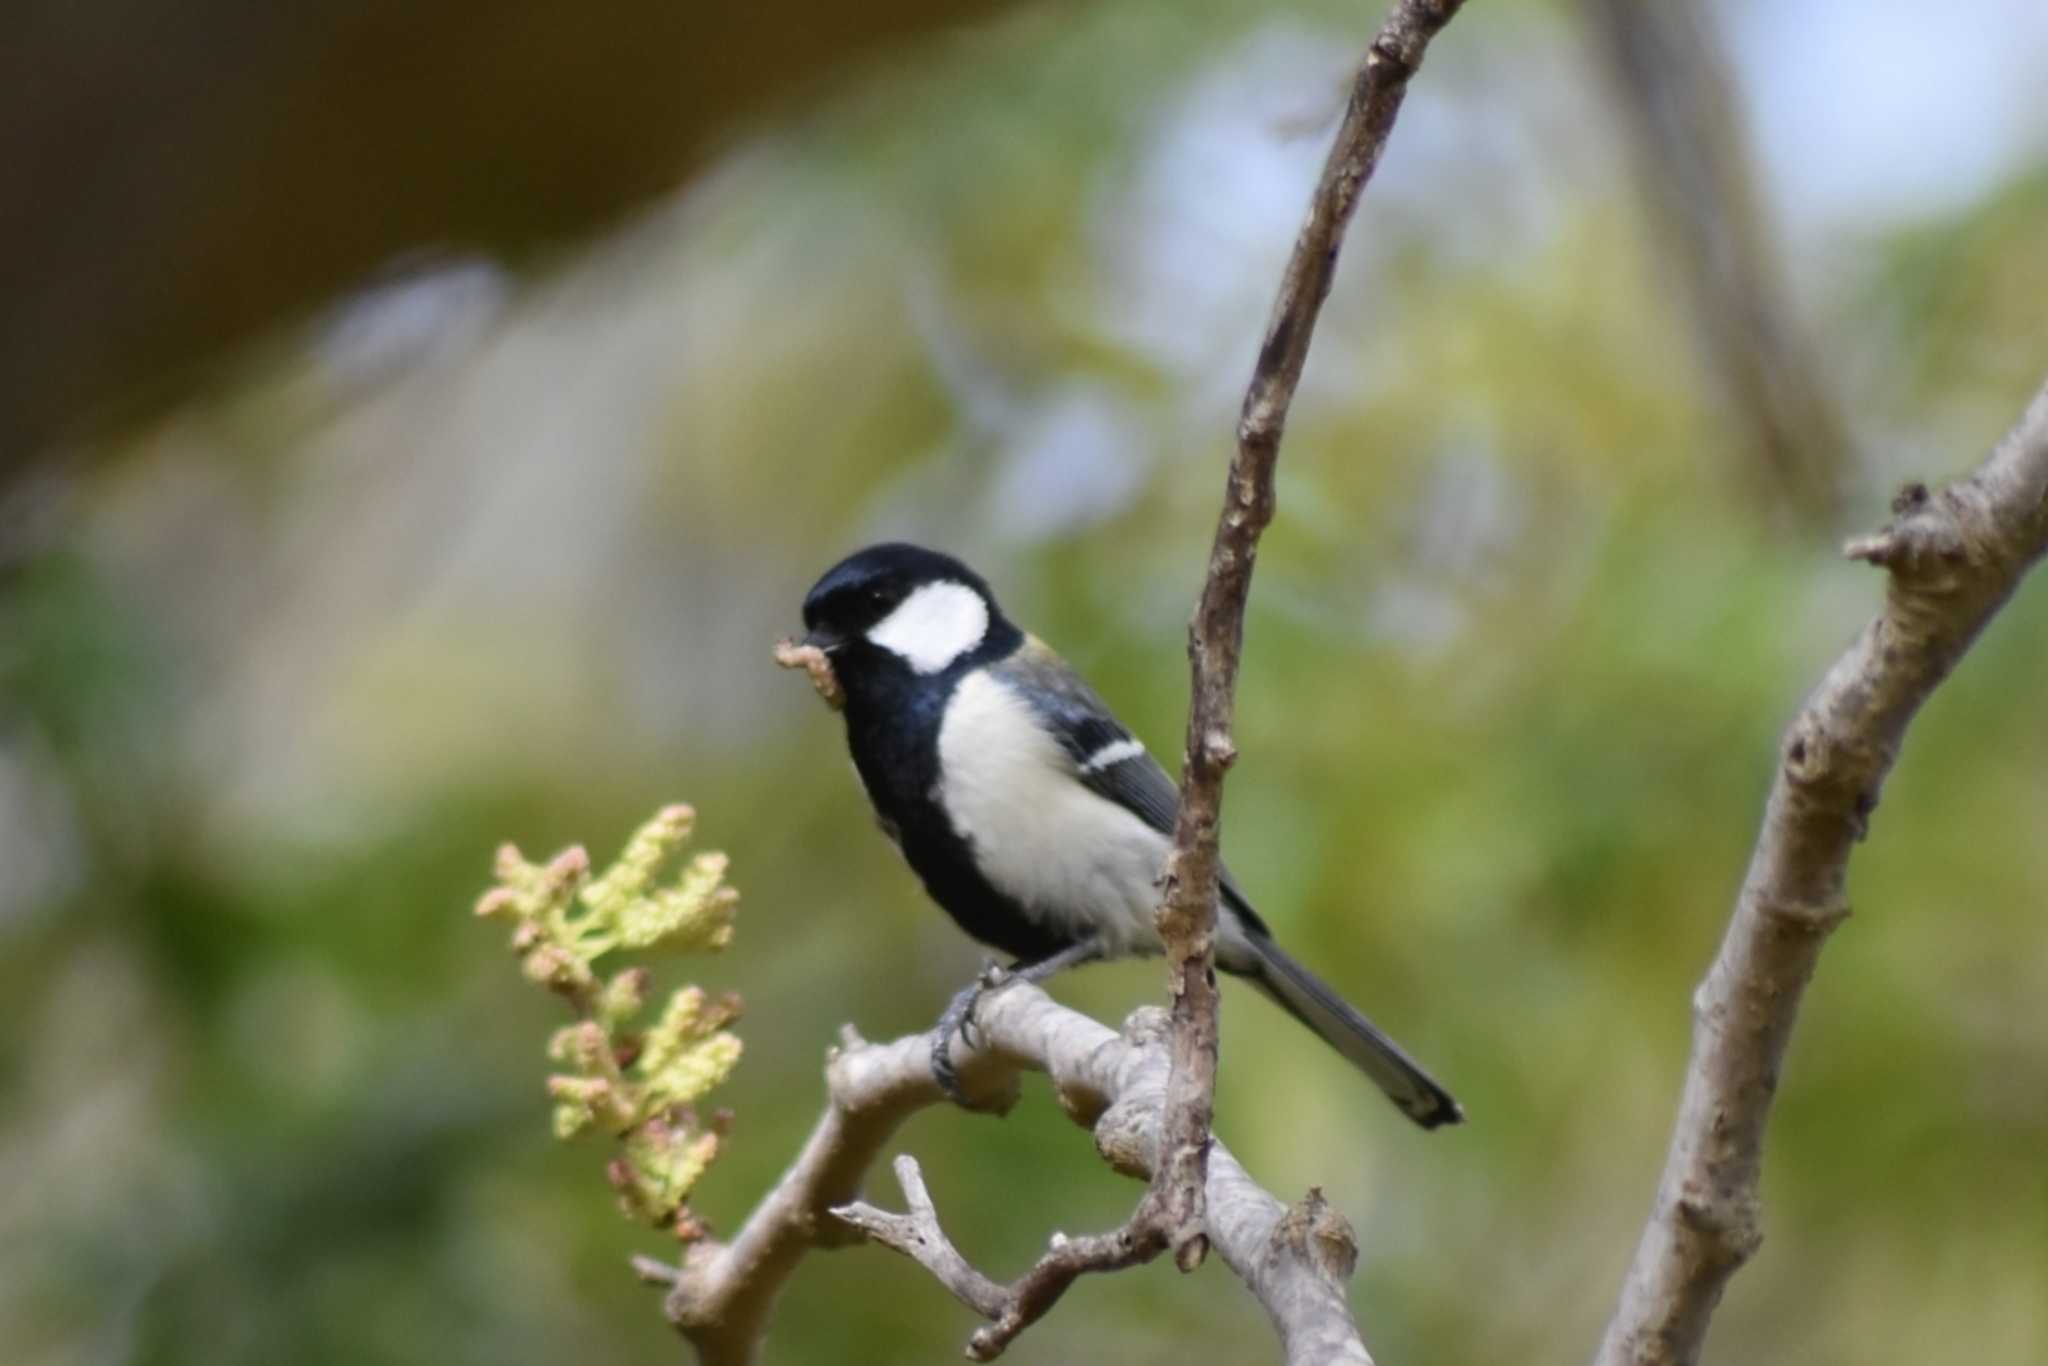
[1033, 817]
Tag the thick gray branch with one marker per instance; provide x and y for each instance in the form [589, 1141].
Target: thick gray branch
[1216, 634]
[1954, 557]
[1295, 1261]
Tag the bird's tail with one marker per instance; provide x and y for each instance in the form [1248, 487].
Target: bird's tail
[1304, 996]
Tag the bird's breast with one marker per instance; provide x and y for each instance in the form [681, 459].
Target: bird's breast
[1039, 836]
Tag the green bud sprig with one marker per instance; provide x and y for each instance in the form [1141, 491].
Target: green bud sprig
[640, 1086]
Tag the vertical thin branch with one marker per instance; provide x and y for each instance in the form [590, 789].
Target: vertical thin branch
[1187, 912]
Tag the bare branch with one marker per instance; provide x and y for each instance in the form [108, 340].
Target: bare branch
[917, 1235]
[722, 1294]
[1953, 558]
[1187, 911]
[1295, 1261]
[1011, 1308]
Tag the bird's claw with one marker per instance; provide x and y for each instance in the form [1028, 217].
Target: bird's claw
[942, 1070]
[958, 1020]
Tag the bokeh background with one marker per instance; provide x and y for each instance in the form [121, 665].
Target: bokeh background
[421, 420]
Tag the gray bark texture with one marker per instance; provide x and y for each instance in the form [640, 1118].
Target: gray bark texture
[1952, 557]
[1296, 1260]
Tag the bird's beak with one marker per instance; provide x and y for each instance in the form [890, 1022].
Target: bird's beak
[823, 639]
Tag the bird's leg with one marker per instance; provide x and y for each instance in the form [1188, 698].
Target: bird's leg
[958, 1016]
[960, 1010]
[955, 1019]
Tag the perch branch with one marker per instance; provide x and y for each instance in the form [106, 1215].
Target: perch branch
[1953, 557]
[1296, 1261]
[1187, 910]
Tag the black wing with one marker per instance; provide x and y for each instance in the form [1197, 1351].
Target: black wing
[1107, 759]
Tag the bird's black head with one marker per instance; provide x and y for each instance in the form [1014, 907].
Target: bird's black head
[896, 608]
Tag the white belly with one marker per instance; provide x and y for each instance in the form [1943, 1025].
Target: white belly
[1070, 858]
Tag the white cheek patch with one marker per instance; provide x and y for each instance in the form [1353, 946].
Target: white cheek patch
[934, 626]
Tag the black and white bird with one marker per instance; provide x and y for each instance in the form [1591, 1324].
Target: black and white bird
[1032, 816]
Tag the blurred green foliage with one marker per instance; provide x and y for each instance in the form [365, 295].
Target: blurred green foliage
[273, 687]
